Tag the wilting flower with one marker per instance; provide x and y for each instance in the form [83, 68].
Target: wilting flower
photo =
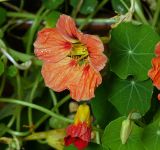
[154, 72]
[72, 60]
[79, 133]
[54, 138]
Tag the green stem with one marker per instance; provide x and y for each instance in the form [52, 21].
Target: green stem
[10, 123]
[97, 20]
[18, 118]
[31, 99]
[54, 98]
[91, 15]
[21, 5]
[66, 98]
[23, 66]
[11, 6]
[18, 110]
[76, 10]
[62, 101]
[156, 14]
[33, 29]
[125, 5]
[37, 107]
[21, 15]
[19, 88]
[139, 12]
[3, 81]
[16, 133]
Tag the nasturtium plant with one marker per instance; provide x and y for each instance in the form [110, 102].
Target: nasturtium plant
[101, 107]
[151, 135]
[129, 95]
[90, 147]
[3, 15]
[55, 123]
[118, 5]
[52, 18]
[3, 129]
[87, 6]
[12, 71]
[132, 48]
[1, 67]
[7, 111]
[80, 74]
[52, 4]
[111, 137]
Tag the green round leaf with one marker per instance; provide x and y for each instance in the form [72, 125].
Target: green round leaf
[88, 6]
[132, 48]
[3, 15]
[101, 107]
[1, 67]
[119, 7]
[51, 19]
[151, 136]
[12, 71]
[111, 137]
[129, 95]
[52, 4]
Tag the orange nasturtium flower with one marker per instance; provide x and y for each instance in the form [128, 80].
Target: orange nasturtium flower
[154, 72]
[79, 133]
[71, 60]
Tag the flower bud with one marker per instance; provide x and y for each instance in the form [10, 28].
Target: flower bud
[126, 130]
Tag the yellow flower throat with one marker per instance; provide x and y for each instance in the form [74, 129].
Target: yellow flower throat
[79, 52]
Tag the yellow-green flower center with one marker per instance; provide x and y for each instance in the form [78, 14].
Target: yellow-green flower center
[79, 52]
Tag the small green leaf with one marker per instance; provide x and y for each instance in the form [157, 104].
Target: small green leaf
[51, 19]
[111, 137]
[151, 136]
[12, 71]
[52, 4]
[3, 15]
[119, 7]
[129, 95]
[1, 67]
[132, 48]
[88, 6]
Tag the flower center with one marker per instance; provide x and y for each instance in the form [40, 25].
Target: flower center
[79, 52]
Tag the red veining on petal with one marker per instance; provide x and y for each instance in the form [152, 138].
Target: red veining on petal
[86, 69]
[72, 62]
[67, 45]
